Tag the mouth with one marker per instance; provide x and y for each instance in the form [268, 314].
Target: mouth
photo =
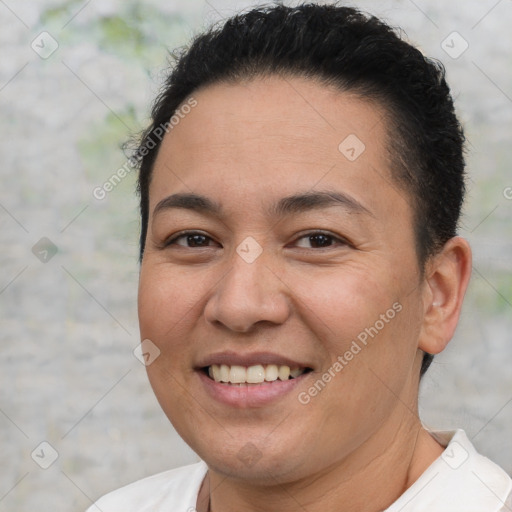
[237, 375]
[251, 380]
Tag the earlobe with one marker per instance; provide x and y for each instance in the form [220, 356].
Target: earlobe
[446, 279]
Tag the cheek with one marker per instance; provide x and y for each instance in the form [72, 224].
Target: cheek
[166, 309]
[367, 317]
[344, 300]
[166, 303]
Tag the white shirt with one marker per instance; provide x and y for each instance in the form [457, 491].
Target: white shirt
[460, 480]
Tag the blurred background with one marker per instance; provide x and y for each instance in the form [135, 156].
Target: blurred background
[76, 80]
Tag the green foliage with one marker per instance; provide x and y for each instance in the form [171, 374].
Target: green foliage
[100, 147]
[491, 294]
[139, 33]
[120, 37]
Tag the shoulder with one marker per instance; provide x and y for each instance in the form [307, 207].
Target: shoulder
[460, 480]
[175, 490]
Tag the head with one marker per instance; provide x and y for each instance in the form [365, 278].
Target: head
[289, 108]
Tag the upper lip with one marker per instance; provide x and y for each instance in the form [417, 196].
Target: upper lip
[249, 359]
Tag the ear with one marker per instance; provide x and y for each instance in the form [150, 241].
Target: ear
[446, 279]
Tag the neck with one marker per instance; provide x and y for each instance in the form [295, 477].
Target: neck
[369, 479]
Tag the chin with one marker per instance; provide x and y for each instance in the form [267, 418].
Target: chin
[278, 462]
[261, 470]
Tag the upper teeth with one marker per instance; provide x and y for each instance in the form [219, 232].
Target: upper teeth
[253, 374]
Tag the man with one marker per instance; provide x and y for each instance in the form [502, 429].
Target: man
[299, 269]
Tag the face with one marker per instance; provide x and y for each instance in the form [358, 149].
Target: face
[277, 242]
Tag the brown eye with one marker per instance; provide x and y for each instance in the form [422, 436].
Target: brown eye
[196, 240]
[318, 241]
[190, 240]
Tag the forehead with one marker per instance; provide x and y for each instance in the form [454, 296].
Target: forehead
[271, 136]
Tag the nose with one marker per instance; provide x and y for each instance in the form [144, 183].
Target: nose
[248, 294]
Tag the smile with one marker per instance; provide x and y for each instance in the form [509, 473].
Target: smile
[254, 374]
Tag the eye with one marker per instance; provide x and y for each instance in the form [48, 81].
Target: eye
[190, 239]
[318, 240]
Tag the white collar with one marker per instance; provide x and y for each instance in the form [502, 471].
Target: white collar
[460, 480]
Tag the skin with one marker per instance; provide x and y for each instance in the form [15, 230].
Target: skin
[359, 442]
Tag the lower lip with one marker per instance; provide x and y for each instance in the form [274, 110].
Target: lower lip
[249, 395]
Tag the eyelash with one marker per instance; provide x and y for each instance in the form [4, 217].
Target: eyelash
[334, 238]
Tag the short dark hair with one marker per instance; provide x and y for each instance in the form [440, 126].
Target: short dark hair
[354, 52]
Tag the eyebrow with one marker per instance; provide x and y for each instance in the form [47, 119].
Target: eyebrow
[295, 203]
[189, 201]
[298, 203]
